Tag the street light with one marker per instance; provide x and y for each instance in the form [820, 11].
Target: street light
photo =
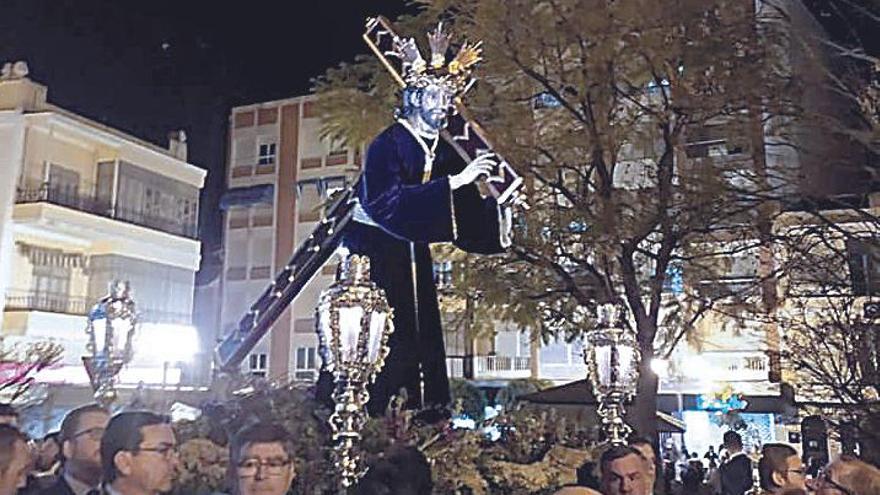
[354, 322]
[612, 358]
[111, 326]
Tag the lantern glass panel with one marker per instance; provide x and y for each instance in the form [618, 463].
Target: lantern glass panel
[118, 328]
[602, 356]
[377, 327]
[349, 332]
[628, 364]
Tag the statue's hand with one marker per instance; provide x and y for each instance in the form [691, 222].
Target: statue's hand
[481, 166]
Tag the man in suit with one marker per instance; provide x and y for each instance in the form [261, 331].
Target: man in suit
[624, 471]
[262, 456]
[736, 472]
[780, 469]
[645, 446]
[81, 432]
[139, 454]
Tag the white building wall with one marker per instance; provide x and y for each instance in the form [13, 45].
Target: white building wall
[11, 156]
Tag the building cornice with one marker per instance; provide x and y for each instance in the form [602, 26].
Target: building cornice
[54, 119]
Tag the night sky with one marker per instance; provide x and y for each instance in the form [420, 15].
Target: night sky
[148, 67]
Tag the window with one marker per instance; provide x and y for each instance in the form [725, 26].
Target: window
[257, 364]
[714, 141]
[63, 186]
[443, 274]
[864, 267]
[545, 100]
[305, 358]
[267, 154]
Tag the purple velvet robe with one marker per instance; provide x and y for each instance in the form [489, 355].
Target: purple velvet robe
[411, 215]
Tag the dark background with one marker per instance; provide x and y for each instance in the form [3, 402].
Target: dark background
[151, 66]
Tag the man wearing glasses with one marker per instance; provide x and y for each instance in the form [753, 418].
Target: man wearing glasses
[780, 469]
[847, 475]
[81, 432]
[263, 458]
[138, 454]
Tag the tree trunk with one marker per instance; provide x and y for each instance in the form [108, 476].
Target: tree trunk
[642, 412]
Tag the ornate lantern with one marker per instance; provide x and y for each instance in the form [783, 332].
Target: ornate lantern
[353, 325]
[612, 358]
[110, 329]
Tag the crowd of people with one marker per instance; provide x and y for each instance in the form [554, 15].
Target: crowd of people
[136, 453]
[633, 470]
[130, 453]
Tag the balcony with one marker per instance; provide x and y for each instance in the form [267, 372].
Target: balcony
[90, 203]
[48, 302]
[18, 300]
[489, 367]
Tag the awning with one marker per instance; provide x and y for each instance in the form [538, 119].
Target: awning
[246, 196]
[580, 392]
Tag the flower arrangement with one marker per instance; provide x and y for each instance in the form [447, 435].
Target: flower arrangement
[530, 452]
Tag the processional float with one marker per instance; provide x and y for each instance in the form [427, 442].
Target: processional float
[353, 318]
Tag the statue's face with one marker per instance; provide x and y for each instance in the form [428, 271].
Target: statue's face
[434, 102]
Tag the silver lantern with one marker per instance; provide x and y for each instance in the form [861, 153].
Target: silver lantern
[612, 357]
[354, 322]
[110, 329]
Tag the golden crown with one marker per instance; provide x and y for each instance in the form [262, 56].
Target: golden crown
[456, 74]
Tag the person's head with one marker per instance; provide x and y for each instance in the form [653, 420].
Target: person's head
[8, 415]
[48, 452]
[624, 471]
[80, 437]
[712, 448]
[646, 448]
[847, 475]
[427, 106]
[261, 458]
[14, 459]
[733, 442]
[576, 490]
[139, 452]
[404, 471]
[780, 468]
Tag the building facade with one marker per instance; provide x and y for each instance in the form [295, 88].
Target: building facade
[279, 174]
[82, 204]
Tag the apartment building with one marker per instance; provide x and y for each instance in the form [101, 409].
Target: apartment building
[82, 204]
[279, 174]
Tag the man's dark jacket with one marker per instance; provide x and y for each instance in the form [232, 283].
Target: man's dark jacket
[736, 475]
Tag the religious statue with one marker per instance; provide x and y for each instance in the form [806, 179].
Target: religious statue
[415, 190]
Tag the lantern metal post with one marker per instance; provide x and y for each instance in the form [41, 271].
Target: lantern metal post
[612, 359]
[110, 329]
[354, 322]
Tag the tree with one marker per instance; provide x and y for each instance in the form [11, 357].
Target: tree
[832, 341]
[641, 129]
[20, 364]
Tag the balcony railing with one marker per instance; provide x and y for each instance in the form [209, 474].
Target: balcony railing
[79, 306]
[90, 203]
[42, 301]
[502, 367]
